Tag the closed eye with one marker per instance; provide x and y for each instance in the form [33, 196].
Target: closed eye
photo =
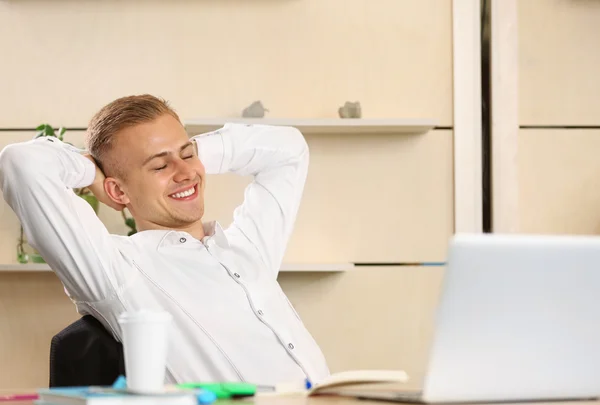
[160, 168]
[189, 157]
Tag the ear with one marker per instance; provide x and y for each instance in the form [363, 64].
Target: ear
[114, 191]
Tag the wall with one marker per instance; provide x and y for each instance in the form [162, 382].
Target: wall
[559, 116]
[368, 199]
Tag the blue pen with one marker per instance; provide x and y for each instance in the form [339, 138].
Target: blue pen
[205, 397]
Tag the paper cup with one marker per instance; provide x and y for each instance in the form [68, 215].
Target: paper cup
[145, 347]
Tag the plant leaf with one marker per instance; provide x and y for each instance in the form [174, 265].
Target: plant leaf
[49, 130]
[41, 130]
[23, 258]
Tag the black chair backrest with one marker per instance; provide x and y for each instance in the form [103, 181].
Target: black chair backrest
[85, 354]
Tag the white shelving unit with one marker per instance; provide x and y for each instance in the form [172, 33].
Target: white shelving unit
[316, 267]
[286, 267]
[323, 125]
[24, 267]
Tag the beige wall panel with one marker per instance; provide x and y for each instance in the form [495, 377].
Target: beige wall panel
[63, 60]
[559, 171]
[370, 318]
[33, 308]
[375, 198]
[559, 61]
[378, 317]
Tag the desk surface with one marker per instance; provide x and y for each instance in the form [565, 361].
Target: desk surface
[321, 400]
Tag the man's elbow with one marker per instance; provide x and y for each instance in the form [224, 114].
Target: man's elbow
[15, 162]
[296, 141]
[12, 157]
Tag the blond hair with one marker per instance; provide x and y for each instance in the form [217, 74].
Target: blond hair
[116, 116]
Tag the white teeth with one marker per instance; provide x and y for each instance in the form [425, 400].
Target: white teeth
[184, 193]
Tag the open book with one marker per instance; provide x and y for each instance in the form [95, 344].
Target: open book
[360, 381]
[346, 382]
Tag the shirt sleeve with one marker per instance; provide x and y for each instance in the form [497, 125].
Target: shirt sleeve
[277, 157]
[37, 180]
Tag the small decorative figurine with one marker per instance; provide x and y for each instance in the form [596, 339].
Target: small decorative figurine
[254, 110]
[350, 110]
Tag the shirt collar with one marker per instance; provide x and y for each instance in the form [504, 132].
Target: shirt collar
[158, 238]
[214, 230]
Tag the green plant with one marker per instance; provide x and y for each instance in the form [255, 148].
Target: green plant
[48, 130]
[130, 222]
[84, 192]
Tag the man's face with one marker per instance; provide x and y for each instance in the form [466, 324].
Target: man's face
[163, 179]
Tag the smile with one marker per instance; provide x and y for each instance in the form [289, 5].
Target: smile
[188, 194]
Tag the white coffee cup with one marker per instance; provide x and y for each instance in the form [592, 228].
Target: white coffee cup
[145, 347]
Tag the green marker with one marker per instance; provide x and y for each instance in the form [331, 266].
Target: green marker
[223, 390]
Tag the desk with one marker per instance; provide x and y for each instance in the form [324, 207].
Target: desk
[327, 400]
[267, 400]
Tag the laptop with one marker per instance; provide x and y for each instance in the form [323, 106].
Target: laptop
[518, 319]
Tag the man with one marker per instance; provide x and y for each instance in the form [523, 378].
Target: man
[232, 321]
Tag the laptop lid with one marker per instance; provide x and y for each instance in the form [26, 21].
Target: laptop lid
[518, 319]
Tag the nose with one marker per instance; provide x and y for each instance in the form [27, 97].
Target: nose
[183, 171]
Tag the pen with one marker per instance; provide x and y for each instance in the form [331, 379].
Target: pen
[205, 397]
[19, 397]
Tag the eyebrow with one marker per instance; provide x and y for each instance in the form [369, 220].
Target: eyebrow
[163, 154]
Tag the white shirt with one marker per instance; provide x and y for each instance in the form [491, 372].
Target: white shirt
[231, 319]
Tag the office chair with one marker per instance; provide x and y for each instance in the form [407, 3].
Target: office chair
[84, 354]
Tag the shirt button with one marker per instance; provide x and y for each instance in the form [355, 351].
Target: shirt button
[237, 275]
[182, 240]
[291, 346]
[260, 312]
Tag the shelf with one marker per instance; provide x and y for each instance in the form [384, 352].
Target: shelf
[286, 267]
[323, 125]
[24, 267]
[316, 267]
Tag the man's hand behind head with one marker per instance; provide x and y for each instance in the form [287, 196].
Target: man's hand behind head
[97, 187]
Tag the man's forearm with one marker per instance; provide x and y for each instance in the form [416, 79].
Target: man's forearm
[278, 158]
[248, 150]
[29, 162]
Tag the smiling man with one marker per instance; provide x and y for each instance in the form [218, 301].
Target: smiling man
[232, 321]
